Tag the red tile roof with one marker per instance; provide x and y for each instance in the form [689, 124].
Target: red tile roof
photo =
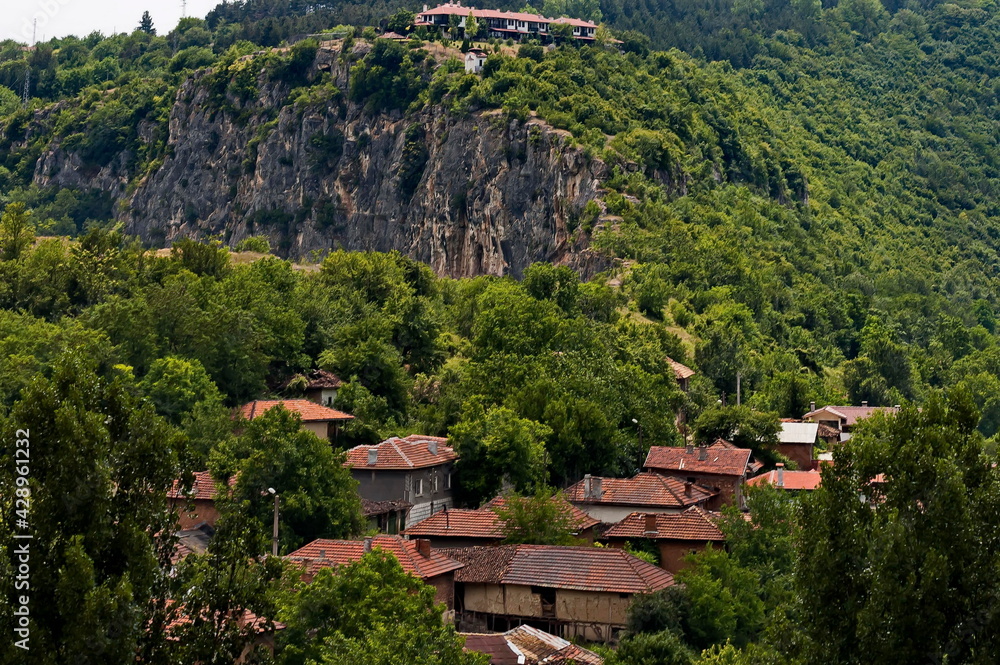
[324, 553]
[850, 415]
[202, 489]
[602, 569]
[310, 412]
[792, 480]
[450, 9]
[495, 646]
[680, 371]
[693, 524]
[722, 459]
[481, 523]
[412, 452]
[643, 489]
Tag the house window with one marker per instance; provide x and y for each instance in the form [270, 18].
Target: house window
[447, 480]
[434, 483]
[420, 487]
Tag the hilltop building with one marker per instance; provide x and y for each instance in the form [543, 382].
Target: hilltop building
[503, 25]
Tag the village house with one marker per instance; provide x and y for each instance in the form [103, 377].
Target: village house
[526, 645]
[483, 526]
[797, 441]
[317, 386]
[720, 466]
[416, 469]
[474, 60]
[385, 516]
[675, 535]
[573, 592]
[415, 556]
[612, 499]
[503, 25]
[682, 373]
[839, 421]
[792, 481]
[196, 505]
[321, 420]
[262, 629]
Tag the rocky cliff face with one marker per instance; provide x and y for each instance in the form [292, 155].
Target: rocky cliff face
[479, 194]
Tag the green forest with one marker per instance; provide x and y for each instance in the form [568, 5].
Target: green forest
[803, 195]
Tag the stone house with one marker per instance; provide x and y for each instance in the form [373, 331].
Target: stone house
[573, 592]
[415, 556]
[721, 466]
[416, 469]
[675, 535]
[612, 499]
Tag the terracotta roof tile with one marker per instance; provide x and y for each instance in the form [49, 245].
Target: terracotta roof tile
[324, 553]
[643, 489]
[792, 480]
[202, 489]
[680, 371]
[310, 412]
[602, 569]
[850, 415]
[481, 523]
[449, 9]
[693, 524]
[722, 459]
[412, 452]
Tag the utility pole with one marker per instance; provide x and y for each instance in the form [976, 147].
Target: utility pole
[274, 538]
[739, 378]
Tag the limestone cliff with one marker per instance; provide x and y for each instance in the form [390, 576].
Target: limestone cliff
[469, 195]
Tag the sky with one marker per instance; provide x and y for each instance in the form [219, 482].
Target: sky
[58, 18]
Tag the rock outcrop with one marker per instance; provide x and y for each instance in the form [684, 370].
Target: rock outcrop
[469, 195]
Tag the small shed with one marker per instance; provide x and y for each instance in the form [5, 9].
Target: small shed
[474, 60]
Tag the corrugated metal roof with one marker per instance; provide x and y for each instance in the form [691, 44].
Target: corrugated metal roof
[804, 433]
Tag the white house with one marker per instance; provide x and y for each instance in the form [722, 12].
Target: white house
[474, 60]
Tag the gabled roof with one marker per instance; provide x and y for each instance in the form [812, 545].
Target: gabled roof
[693, 524]
[644, 489]
[310, 412]
[850, 415]
[325, 553]
[721, 459]
[791, 480]
[804, 433]
[481, 523]
[680, 371]
[202, 489]
[451, 9]
[533, 646]
[600, 569]
[416, 451]
[192, 541]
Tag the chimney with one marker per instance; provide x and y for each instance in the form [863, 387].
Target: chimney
[432, 447]
[781, 474]
[424, 547]
[864, 403]
[812, 406]
[596, 487]
[425, 8]
[322, 554]
[368, 544]
[372, 456]
[587, 483]
[447, 519]
[687, 488]
[690, 449]
[650, 524]
[702, 453]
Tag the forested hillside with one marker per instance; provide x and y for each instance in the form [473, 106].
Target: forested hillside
[801, 198]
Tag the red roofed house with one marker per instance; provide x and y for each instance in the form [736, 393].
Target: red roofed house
[792, 481]
[416, 469]
[503, 25]
[320, 386]
[612, 499]
[526, 645]
[572, 592]
[462, 528]
[195, 506]
[682, 373]
[415, 556]
[316, 418]
[720, 466]
[675, 535]
[842, 419]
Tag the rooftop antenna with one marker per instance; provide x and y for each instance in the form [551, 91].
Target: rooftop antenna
[184, 8]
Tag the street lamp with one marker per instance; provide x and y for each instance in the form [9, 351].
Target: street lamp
[274, 539]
